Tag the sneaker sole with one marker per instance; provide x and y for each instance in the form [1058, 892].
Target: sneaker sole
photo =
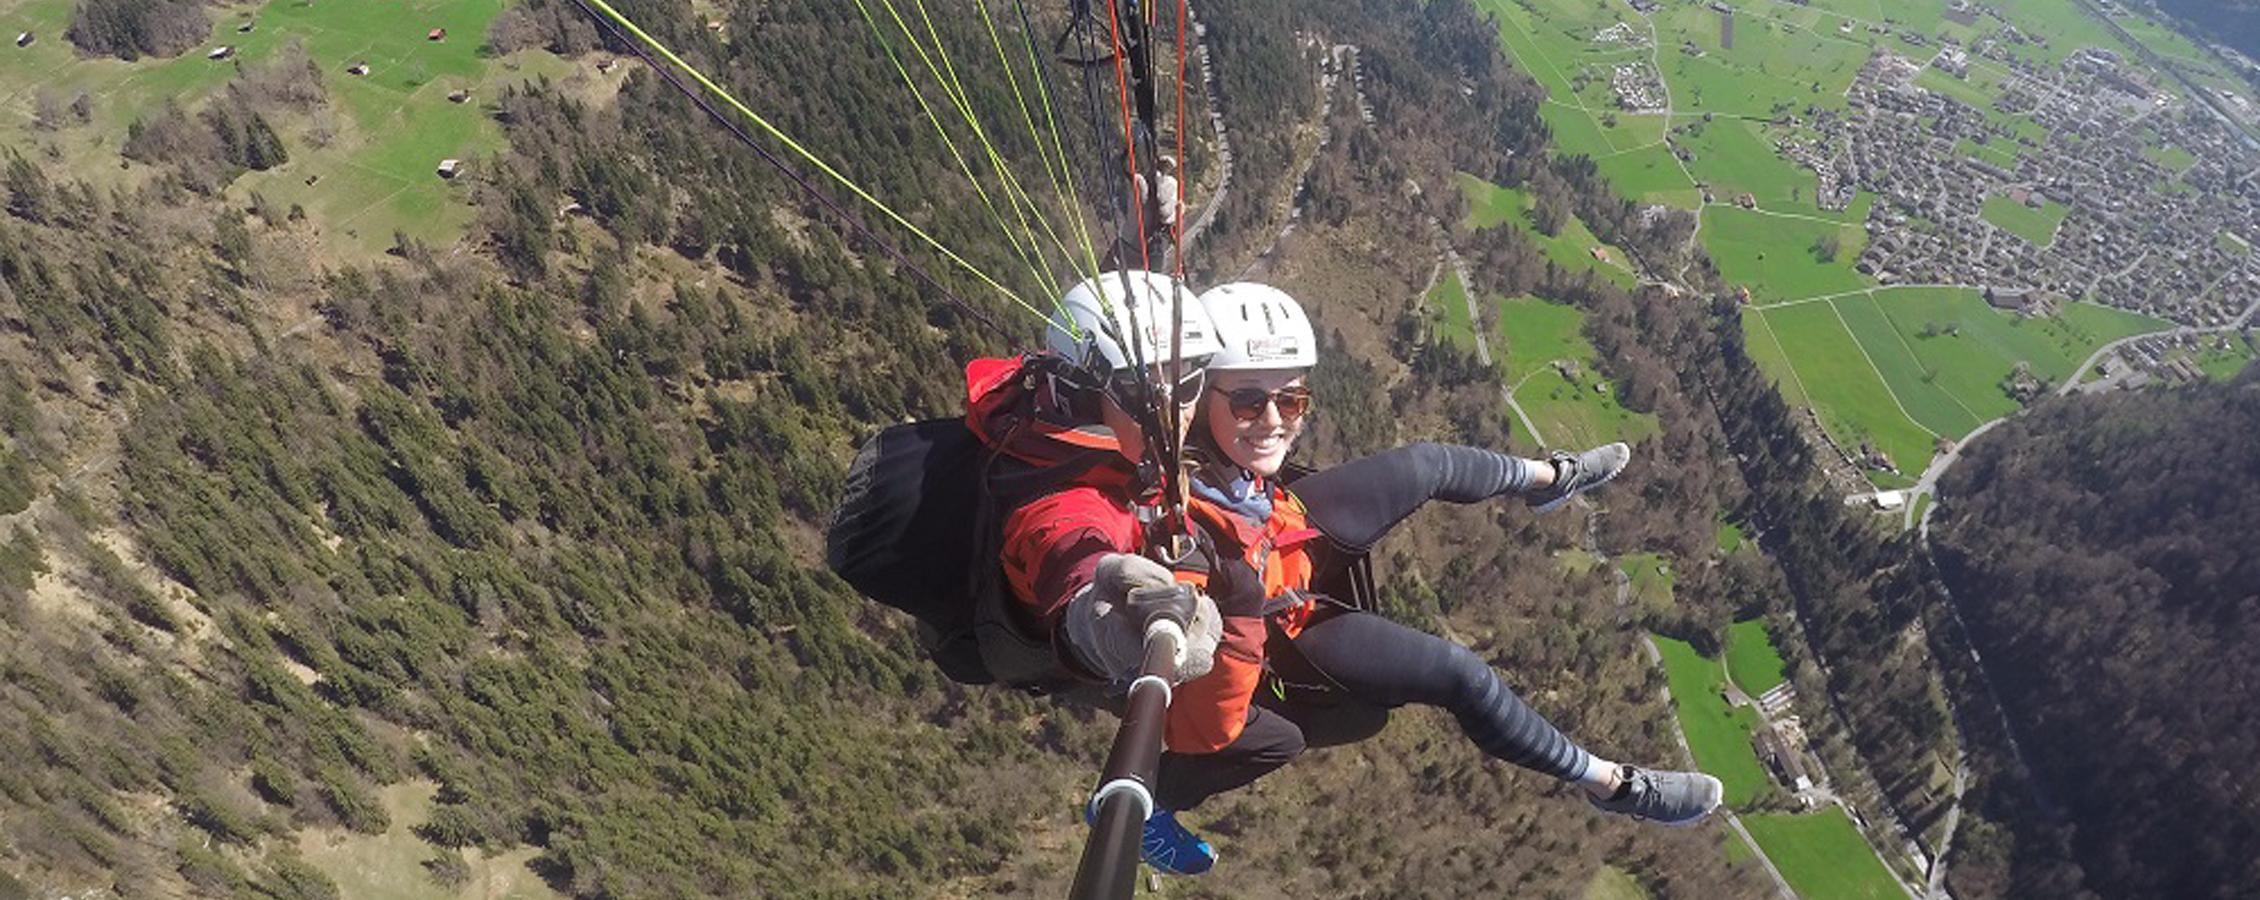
[1556, 503]
[1698, 818]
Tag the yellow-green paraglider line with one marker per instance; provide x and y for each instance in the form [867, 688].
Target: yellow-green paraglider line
[725, 96]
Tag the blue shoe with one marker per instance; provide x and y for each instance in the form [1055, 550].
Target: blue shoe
[1171, 849]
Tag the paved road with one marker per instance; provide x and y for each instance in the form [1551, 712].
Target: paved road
[1215, 202]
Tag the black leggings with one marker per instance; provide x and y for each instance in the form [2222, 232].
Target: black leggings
[1375, 665]
[1367, 665]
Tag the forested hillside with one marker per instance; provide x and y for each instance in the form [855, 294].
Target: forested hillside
[527, 522]
[2101, 552]
[502, 546]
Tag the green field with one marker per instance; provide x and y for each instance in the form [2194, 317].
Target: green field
[2172, 158]
[1774, 256]
[1535, 334]
[1612, 883]
[1490, 206]
[2064, 25]
[1581, 413]
[1967, 347]
[1730, 536]
[1736, 157]
[1772, 357]
[1822, 855]
[1924, 383]
[372, 150]
[1998, 152]
[1577, 561]
[1650, 174]
[1841, 385]
[1651, 577]
[1447, 302]
[2036, 225]
[1542, 351]
[1718, 734]
[1977, 91]
[2221, 358]
[1751, 659]
[1941, 353]
[2166, 42]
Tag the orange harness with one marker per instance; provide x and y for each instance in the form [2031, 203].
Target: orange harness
[1209, 712]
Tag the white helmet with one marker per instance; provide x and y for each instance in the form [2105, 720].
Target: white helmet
[1104, 307]
[1260, 327]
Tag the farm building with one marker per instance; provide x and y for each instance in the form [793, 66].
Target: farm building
[25, 39]
[436, 34]
[359, 68]
[459, 95]
[1890, 500]
[220, 53]
[449, 168]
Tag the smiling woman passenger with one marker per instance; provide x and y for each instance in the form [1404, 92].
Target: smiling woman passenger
[1296, 669]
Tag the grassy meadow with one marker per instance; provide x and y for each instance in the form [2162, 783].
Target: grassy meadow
[1717, 733]
[1822, 855]
[1447, 304]
[1776, 257]
[1940, 354]
[1651, 578]
[2037, 225]
[1751, 659]
[1490, 206]
[363, 166]
[1612, 883]
[1839, 382]
[1730, 536]
[1541, 350]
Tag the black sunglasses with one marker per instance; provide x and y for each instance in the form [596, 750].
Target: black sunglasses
[1248, 403]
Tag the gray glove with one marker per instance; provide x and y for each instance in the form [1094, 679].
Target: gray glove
[1105, 622]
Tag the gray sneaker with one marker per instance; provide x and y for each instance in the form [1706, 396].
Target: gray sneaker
[1669, 798]
[1577, 473]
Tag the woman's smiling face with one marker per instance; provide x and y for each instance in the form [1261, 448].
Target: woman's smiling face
[1259, 444]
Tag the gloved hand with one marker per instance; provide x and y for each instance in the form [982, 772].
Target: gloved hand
[1106, 622]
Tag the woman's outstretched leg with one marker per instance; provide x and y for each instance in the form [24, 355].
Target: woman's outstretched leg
[1388, 664]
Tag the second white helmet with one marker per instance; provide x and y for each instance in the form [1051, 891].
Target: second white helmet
[1103, 310]
[1260, 327]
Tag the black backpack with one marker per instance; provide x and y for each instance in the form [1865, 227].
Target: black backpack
[920, 528]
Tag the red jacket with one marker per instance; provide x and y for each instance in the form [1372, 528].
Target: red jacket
[1053, 543]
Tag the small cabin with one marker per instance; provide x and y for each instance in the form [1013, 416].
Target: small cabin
[606, 65]
[459, 95]
[449, 168]
[359, 68]
[220, 53]
[244, 28]
[25, 39]
[436, 34]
